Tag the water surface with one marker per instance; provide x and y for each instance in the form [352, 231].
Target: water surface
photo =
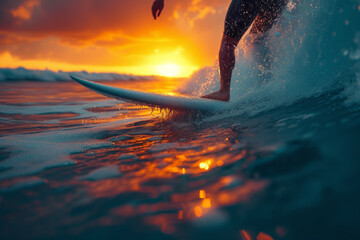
[76, 165]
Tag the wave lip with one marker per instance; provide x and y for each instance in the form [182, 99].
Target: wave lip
[308, 52]
[23, 74]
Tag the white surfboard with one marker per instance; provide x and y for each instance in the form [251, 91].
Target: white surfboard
[154, 99]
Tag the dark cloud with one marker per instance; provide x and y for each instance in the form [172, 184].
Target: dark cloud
[69, 16]
[7, 21]
[91, 16]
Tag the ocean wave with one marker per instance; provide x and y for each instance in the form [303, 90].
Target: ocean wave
[23, 74]
[312, 50]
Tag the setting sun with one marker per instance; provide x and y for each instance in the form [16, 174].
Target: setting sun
[168, 70]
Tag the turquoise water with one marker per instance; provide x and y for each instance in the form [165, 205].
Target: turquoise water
[91, 168]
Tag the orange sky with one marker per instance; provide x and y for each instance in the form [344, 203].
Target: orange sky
[111, 36]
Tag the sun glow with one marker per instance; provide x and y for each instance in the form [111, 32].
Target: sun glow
[174, 70]
[171, 62]
[168, 70]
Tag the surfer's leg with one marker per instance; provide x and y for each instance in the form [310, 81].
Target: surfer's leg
[239, 17]
[226, 64]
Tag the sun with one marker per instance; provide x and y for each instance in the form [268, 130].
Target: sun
[168, 70]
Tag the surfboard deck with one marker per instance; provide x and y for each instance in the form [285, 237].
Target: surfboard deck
[154, 99]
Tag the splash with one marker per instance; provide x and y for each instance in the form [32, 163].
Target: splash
[300, 57]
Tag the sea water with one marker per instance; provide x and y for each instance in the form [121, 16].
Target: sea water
[281, 163]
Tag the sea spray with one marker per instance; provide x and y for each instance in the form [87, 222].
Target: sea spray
[306, 53]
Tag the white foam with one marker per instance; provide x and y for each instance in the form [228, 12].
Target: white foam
[22, 74]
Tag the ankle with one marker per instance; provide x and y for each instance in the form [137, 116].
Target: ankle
[225, 90]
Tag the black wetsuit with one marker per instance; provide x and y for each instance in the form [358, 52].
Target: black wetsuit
[242, 13]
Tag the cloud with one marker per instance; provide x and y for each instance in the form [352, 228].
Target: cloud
[25, 11]
[111, 32]
[86, 19]
[68, 17]
[197, 9]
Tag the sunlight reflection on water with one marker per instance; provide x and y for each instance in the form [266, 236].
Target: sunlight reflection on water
[95, 164]
[177, 170]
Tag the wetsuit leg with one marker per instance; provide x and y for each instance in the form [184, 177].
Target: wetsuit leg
[240, 15]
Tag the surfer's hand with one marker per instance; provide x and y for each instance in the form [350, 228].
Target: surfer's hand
[157, 8]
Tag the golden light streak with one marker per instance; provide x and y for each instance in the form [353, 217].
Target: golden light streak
[205, 165]
[220, 163]
[202, 194]
[206, 203]
[198, 211]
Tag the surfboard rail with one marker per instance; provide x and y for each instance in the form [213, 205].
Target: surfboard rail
[154, 99]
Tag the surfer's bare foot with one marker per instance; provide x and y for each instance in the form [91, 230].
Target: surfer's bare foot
[219, 95]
